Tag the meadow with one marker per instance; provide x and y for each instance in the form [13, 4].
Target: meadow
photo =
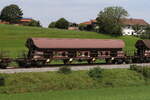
[13, 38]
[125, 93]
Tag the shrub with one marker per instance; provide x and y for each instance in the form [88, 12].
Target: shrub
[64, 70]
[95, 73]
[136, 68]
[2, 81]
[146, 72]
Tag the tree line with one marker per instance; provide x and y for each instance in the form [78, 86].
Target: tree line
[107, 21]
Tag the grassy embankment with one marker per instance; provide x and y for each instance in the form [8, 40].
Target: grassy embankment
[12, 38]
[126, 93]
[30, 82]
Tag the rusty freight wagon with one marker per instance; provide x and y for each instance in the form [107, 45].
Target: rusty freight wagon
[143, 51]
[44, 50]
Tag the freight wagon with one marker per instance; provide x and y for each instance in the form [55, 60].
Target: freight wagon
[42, 51]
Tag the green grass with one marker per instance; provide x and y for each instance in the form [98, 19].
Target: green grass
[13, 38]
[44, 81]
[126, 93]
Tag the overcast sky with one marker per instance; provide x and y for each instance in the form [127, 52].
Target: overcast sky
[76, 10]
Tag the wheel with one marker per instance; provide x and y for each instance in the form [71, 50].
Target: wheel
[39, 63]
[27, 64]
[90, 61]
[20, 64]
[120, 61]
[114, 62]
[128, 61]
[24, 63]
[3, 65]
[108, 61]
[66, 61]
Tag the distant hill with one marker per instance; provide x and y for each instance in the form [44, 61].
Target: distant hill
[12, 38]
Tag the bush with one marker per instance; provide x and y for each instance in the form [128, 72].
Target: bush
[136, 68]
[95, 73]
[146, 72]
[64, 70]
[2, 81]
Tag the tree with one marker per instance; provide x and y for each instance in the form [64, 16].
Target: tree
[11, 13]
[62, 23]
[52, 25]
[109, 22]
[34, 23]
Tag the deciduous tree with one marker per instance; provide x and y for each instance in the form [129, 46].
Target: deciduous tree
[52, 25]
[11, 13]
[109, 22]
[62, 23]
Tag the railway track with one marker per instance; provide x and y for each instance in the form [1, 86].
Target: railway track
[74, 67]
